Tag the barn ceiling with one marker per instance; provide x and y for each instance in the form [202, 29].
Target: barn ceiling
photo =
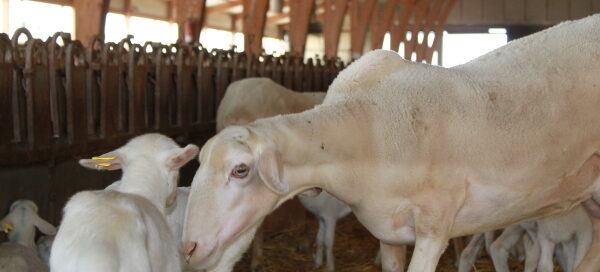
[223, 13]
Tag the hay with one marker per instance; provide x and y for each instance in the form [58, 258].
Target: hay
[355, 250]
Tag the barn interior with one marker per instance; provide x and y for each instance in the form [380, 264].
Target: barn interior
[78, 78]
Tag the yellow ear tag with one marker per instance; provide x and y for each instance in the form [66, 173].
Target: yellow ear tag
[106, 164]
[104, 158]
[7, 227]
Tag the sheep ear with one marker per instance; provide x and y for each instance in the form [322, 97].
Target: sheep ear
[183, 155]
[270, 170]
[109, 161]
[44, 226]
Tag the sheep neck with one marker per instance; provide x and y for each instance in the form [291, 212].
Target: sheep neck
[24, 236]
[312, 158]
[145, 179]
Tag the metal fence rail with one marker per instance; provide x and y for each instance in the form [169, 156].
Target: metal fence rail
[59, 99]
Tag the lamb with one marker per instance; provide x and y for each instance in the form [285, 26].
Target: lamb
[251, 99]
[44, 247]
[420, 153]
[328, 210]
[571, 231]
[471, 251]
[175, 214]
[19, 254]
[125, 229]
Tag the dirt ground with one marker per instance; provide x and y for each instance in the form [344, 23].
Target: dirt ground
[355, 250]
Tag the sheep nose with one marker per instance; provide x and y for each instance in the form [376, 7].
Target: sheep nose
[189, 248]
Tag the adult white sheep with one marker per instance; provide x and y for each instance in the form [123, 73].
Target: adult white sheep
[420, 153]
[251, 99]
[19, 254]
[125, 229]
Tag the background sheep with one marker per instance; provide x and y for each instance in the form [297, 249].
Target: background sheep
[567, 234]
[125, 229]
[19, 254]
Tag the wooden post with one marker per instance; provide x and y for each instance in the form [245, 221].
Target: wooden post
[300, 12]
[254, 17]
[399, 27]
[190, 19]
[334, 18]
[432, 17]
[418, 20]
[441, 23]
[360, 16]
[90, 18]
[4, 16]
[381, 23]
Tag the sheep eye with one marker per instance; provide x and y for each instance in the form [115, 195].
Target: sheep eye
[240, 171]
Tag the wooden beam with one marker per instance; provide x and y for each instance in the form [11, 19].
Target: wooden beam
[432, 17]
[300, 12]
[382, 19]
[360, 16]
[5, 21]
[400, 25]
[57, 2]
[277, 17]
[254, 17]
[90, 18]
[170, 4]
[190, 19]
[420, 14]
[441, 23]
[335, 10]
[233, 23]
[223, 7]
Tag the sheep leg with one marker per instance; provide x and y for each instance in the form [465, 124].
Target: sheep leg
[304, 246]
[377, 260]
[320, 243]
[547, 252]
[257, 246]
[591, 261]
[584, 242]
[329, 240]
[499, 248]
[427, 253]
[489, 239]
[470, 253]
[565, 254]
[532, 252]
[459, 246]
[393, 257]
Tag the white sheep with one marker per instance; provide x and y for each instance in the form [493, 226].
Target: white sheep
[174, 214]
[251, 99]
[568, 235]
[44, 247]
[328, 210]
[420, 153]
[125, 229]
[19, 254]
